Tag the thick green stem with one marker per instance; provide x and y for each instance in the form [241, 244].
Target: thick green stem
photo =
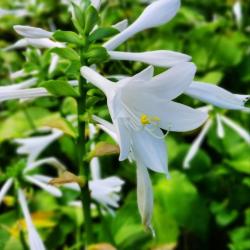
[83, 170]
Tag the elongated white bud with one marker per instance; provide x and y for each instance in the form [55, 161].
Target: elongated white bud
[32, 32]
[161, 58]
[156, 14]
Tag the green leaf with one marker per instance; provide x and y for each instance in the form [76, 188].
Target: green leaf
[60, 88]
[68, 37]
[180, 198]
[91, 19]
[66, 53]
[78, 15]
[97, 54]
[101, 33]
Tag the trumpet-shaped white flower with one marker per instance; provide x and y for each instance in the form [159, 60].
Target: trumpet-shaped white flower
[94, 163]
[16, 12]
[145, 200]
[220, 120]
[161, 58]
[34, 238]
[217, 96]
[22, 85]
[157, 13]
[141, 106]
[32, 32]
[33, 146]
[40, 43]
[28, 93]
[105, 191]
[144, 187]
[39, 181]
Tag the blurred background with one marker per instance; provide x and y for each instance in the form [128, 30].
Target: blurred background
[204, 207]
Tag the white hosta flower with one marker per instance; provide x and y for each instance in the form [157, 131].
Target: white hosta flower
[157, 13]
[237, 128]
[220, 128]
[29, 93]
[17, 74]
[33, 146]
[196, 144]
[35, 241]
[161, 58]
[39, 181]
[53, 63]
[145, 200]
[217, 96]
[122, 25]
[21, 85]
[16, 12]
[140, 106]
[95, 167]
[5, 188]
[237, 11]
[105, 191]
[144, 186]
[220, 120]
[32, 32]
[40, 43]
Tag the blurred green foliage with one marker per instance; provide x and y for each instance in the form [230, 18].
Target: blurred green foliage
[204, 207]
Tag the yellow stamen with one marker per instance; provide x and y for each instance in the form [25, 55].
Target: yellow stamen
[144, 119]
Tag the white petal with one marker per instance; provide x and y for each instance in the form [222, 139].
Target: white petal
[196, 144]
[144, 196]
[32, 32]
[35, 241]
[43, 43]
[157, 13]
[22, 43]
[50, 161]
[138, 79]
[173, 116]
[95, 168]
[173, 82]
[21, 85]
[216, 96]
[123, 138]
[150, 151]
[96, 3]
[237, 128]
[166, 86]
[18, 74]
[220, 128]
[161, 58]
[50, 189]
[99, 81]
[122, 25]
[237, 10]
[23, 94]
[33, 146]
[108, 127]
[54, 63]
[105, 190]
[5, 188]
[15, 12]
